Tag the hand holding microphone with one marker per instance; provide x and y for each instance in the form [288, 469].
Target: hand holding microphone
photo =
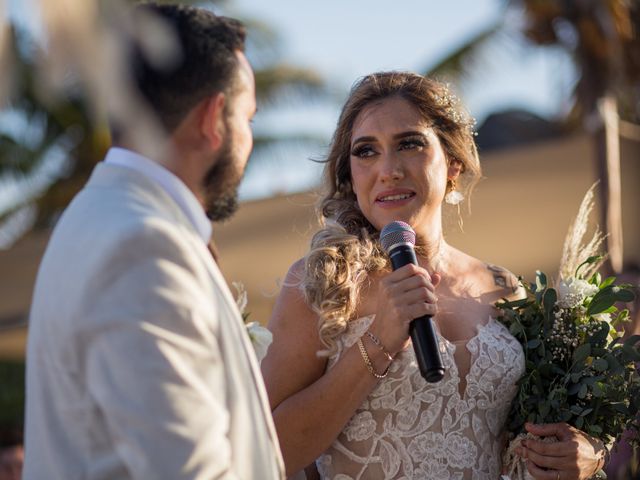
[398, 239]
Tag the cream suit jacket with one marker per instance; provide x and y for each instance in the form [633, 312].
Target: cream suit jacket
[138, 365]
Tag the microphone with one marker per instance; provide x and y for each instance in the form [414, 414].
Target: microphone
[397, 239]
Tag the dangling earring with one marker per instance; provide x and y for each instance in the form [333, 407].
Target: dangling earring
[453, 196]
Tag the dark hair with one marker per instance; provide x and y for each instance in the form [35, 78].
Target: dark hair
[207, 62]
[10, 437]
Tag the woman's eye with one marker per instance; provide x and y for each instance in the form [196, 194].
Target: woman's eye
[363, 152]
[411, 144]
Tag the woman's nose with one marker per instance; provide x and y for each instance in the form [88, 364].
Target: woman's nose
[391, 168]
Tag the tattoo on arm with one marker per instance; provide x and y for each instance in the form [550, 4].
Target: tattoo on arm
[503, 278]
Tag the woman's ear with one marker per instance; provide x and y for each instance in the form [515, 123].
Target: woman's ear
[454, 170]
[212, 122]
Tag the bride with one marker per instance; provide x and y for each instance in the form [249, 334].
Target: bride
[341, 374]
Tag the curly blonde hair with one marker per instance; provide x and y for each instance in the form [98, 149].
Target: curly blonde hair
[345, 250]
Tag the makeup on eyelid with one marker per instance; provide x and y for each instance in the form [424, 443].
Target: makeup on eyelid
[364, 147]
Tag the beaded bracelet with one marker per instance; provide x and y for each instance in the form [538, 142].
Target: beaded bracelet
[367, 361]
[379, 344]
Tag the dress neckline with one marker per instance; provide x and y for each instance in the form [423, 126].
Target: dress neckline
[479, 328]
[451, 347]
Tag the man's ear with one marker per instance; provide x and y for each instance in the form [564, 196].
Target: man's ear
[212, 122]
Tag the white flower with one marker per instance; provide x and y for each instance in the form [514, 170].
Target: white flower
[261, 338]
[574, 291]
[603, 317]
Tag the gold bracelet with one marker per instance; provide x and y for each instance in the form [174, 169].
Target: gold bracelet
[379, 344]
[367, 361]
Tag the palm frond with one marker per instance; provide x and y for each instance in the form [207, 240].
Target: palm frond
[457, 63]
[272, 80]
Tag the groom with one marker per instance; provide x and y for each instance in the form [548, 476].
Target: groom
[138, 364]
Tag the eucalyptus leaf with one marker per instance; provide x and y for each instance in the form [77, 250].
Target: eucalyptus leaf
[581, 353]
[549, 300]
[600, 365]
[631, 353]
[615, 368]
[632, 341]
[624, 295]
[608, 281]
[565, 416]
[515, 329]
[620, 407]
[573, 389]
[601, 301]
[594, 430]
[545, 408]
[597, 391]
[582, 392]
[536, 342]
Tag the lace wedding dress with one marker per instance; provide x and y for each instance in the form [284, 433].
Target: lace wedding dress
[451, 430]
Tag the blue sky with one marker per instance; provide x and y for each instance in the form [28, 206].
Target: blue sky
[346, 39]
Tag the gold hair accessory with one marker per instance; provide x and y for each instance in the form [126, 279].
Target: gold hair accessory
[454, 110]
[367, 361]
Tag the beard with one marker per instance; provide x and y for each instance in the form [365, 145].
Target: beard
[221, 185]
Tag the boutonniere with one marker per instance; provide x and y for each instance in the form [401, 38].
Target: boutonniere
[260, 336]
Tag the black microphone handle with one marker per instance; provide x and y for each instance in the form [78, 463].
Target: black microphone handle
[422, 330]
[425, 346]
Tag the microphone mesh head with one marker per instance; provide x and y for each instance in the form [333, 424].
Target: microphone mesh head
[396, 232]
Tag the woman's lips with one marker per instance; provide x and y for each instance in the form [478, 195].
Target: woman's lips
[394, 198]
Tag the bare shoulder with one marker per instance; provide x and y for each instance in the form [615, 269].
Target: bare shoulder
[291, 311]
[505, 282]
[292, 362]
[486, 280]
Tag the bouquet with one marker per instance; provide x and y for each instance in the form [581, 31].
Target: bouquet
[577, 370]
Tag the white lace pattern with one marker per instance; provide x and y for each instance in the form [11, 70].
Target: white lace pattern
[410, 429]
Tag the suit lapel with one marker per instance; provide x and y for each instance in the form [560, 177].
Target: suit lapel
[241, 334]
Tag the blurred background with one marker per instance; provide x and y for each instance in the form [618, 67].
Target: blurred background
[553, 84]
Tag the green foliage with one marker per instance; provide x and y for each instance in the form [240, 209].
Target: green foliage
[577, 368]
[11, 394]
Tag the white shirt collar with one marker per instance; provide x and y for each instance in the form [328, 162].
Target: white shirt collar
[171, 184]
